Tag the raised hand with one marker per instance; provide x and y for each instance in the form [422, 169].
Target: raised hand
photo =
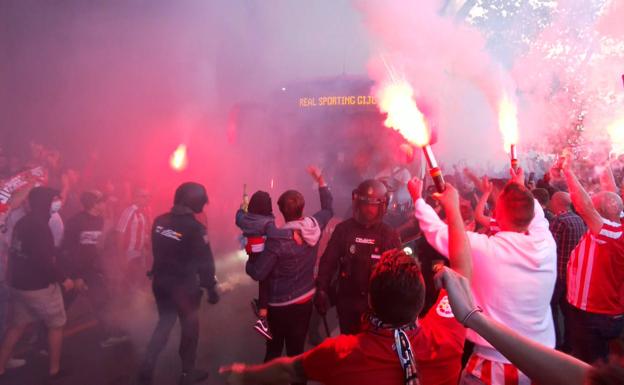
[316, 174]
[415, 187]
[449, 198]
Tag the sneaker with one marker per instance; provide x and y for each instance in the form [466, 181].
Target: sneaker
[112, 341]
[262, 327]
[254, 307]
[193, 377]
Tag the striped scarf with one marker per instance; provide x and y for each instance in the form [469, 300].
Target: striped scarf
[402, 346]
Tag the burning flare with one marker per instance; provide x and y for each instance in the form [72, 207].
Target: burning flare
[397, 100]
[616, 133]
[178, 160]
[508, 122]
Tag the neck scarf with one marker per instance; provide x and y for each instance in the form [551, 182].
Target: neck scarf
[402, 347]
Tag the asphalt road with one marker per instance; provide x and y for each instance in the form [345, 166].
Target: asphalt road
[226, 336]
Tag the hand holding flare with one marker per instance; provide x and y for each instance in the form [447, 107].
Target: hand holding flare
[508, 126]
[396, 99]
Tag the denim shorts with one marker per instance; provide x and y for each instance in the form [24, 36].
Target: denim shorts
[46, 305]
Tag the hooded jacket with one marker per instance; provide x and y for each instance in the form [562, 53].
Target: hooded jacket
[289, 267]
[256, 225]
[32, 259]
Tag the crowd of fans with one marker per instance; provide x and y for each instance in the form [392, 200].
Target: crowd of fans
[532, 290]
[537, 278]
[65, 233]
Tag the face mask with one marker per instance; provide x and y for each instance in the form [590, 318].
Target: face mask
[56, 207]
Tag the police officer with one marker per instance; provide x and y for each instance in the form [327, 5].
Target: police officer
[183, 264]
[354, 248]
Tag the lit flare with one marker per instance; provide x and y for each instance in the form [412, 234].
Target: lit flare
[178, 160]
[508, 122]
[397, 100]
[508, 126]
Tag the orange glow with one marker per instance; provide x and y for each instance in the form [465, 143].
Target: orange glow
[616, 133]
[397, 100]
[178, 160]
[508, 122]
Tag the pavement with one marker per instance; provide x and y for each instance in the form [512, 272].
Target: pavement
[226, 336]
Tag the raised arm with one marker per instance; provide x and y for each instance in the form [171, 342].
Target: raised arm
[581, 200]
[607, 181]
[432, 227]
[459, 246]
[474, 178]
[486, 191]
[543, 365]
[327, 210]
[435, 230]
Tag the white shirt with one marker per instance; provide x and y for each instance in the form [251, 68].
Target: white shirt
[513, 276]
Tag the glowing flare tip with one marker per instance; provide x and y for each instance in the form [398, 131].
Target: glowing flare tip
[508, 122]
[179, 160]
[396, 99]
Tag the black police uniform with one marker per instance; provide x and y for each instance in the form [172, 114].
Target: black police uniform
[353, 250]
[183, 264]
[355, 247]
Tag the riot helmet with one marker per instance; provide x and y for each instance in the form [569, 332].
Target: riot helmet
[192, 195]
[370, 202]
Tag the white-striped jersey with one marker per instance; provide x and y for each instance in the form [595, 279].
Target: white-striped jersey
[133, 225]
[596, 271]
[495, 373]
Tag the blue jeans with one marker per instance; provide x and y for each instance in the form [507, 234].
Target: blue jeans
[591, 333]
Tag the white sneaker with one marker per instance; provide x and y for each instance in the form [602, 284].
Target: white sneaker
[14, 363]
[112, 341]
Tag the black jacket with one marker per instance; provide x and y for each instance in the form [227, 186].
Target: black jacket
[352, 251]
[289, 267]
[32, 260]
[83, 233]
[181, 250]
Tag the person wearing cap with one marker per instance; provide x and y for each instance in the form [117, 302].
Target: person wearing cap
[81, 256]
[352, 253]
[183, 265]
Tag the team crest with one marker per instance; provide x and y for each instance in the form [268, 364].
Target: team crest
[444, 308]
